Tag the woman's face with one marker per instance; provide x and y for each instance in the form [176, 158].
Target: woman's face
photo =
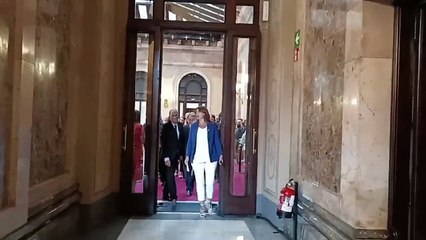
[200, 115]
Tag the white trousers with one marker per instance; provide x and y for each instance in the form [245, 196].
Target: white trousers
[204, 184]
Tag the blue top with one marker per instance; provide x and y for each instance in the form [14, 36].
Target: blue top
[215, 145]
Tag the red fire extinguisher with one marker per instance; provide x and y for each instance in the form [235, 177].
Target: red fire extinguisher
[286, 201]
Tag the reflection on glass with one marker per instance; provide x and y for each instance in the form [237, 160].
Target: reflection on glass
[239, 180]
[139, 117]
[144, 9]
[192, 76]
[244, 14]
[6, 90]
[194, 12]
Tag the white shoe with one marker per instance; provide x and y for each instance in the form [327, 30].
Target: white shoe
[203, 211]
[209, 207]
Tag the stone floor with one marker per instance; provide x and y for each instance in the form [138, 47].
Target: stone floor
[186, 230]
[184, 226]
[191, 227]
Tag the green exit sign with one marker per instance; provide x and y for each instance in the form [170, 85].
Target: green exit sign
[297, 39]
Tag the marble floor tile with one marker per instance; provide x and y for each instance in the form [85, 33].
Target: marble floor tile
[186, 230]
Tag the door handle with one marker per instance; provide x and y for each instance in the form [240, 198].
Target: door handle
[253, 138]
[124, 147]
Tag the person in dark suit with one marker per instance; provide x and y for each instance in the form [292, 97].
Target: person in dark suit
[173, 150]
[189, 173]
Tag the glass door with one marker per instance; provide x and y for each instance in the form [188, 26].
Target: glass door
[241, 124]
[140, 141]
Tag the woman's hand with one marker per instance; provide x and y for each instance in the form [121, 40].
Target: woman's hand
[221, 160]
[187, 161]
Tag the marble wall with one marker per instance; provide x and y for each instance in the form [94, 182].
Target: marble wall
[50, 90]
[367, 114]
[345, 73]
[323, 92]
[336, 114]
[6, 91]
[16, 94]
[55, 69]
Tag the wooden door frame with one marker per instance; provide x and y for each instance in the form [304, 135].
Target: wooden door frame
[156, 27]
[233, 203]
[403, 180]
[145, 203]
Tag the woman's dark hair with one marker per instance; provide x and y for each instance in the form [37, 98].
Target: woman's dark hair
[137, 116]
[205, 111]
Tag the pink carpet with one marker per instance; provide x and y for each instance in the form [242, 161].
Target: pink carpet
[181, 190]
[239, 182]
[238, 186]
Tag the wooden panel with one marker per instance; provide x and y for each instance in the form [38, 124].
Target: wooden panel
[407, 189]
[419, 210]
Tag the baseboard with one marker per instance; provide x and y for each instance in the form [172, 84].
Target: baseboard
[43, 216]
[314, 223]
[100, 211]
[267, 210]
[63, 226]
[62, 215]
[52, 200]
[333, 227]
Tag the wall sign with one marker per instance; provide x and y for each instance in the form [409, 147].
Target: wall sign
[297, 40]
[265, 12]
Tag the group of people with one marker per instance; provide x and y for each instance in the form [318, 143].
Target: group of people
[197, 146]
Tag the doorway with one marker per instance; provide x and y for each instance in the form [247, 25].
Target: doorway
[152, 27]
[198, 57]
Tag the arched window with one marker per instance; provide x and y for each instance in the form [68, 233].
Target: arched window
[192, 92]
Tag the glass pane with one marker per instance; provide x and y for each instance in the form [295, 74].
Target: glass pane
[141, 79]
[194, 12]
[192, 76]
[242, 130]
[244, 14]
[144, 9]
[6, 88]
